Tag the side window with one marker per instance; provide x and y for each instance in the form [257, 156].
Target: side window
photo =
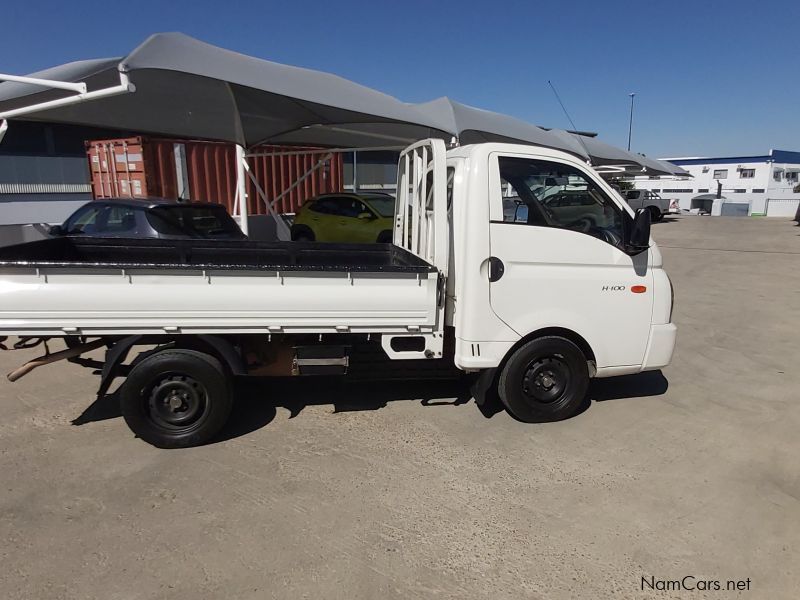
[558, 195]
[347, 207]
[326, 206]
[85, 221]
[362, 208]
[119, 219]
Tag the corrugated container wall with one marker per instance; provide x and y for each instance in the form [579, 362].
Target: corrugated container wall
[139, 167]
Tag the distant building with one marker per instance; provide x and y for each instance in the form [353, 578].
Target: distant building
[44, 175]
[760, 185]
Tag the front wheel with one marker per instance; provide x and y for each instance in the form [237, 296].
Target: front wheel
[544, 380]
[176, 398]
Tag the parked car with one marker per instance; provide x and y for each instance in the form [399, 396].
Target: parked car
[150, 218]
[345, 218]
[657, 205]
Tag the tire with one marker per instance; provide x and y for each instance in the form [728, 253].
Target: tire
[177, 398]
[544, 380]
[384, 237]
[655, 214]
[302, 234]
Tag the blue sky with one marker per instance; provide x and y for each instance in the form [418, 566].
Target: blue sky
[711, 78]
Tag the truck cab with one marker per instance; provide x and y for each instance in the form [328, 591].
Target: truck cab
[560, 270]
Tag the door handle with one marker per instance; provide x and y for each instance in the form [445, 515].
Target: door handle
[496, 269]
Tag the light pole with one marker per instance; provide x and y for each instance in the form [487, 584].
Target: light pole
[630, 121]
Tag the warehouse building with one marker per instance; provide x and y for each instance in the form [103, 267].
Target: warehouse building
[44, 175]
[759, 185]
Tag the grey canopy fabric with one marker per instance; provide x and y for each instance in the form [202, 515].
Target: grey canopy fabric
[187, 88]
[606, 155]
[474, 125]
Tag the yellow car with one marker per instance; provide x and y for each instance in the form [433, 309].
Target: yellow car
[345, 218]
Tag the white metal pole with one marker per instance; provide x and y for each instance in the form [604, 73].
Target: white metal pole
[241, 187]
[63, 85]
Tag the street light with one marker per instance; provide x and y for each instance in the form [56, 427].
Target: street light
[630, 122]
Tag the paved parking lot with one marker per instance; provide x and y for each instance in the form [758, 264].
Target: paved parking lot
[407, 491]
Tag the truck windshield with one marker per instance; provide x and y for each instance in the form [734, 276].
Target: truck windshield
[194, 221]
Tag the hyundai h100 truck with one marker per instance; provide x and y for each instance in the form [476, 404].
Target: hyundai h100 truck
[535, 305]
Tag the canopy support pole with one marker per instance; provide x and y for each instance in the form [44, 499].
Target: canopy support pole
[124, 87]
[281, 228]
[241, 187]
[303, 177]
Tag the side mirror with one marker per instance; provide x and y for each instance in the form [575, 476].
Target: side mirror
[365, 216]
[56, 230]
[639, 235]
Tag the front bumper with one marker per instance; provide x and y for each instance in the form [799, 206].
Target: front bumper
[660, 346]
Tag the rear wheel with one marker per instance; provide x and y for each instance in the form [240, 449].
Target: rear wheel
[176, 398]
[544, 380]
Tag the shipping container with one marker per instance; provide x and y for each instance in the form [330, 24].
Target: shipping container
[141, 166]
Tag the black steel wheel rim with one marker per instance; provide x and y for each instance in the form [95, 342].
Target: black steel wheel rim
[545, 379]
[177, 402]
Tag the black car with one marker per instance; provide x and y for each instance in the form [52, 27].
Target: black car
[150, 218]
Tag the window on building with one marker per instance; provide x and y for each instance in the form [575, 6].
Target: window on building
[777, 175]
[720, 173]
[655, 191]
[758, 190]
[702, 191]
[679, 191]
[739, 191]
[791, 176]
[747, 173]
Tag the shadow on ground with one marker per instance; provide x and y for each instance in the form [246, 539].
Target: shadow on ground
[257, 399]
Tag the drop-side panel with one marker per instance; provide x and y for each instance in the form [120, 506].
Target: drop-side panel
[91, 301]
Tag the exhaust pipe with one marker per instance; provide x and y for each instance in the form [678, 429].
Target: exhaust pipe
[54, 357]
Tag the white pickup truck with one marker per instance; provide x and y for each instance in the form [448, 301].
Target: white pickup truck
[657, 205]
[536, 307]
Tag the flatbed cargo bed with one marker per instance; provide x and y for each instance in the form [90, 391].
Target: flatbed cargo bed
[211, 254]
[93, 286]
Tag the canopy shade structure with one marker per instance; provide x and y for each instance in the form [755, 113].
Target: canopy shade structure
[178, 86]
[187, 88]
[474, 125]
[622, 161]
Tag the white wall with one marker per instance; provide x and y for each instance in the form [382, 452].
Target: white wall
[778, 194]
[39, 208]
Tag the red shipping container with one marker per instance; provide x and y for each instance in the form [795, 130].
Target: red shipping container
[140, 166]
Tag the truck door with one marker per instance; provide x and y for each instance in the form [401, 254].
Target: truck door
[564, 267]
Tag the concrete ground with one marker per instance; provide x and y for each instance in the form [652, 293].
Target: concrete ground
[409, 491]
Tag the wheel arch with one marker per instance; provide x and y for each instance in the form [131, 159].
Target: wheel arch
[299, 228]
[219, 347]
[564, 332]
